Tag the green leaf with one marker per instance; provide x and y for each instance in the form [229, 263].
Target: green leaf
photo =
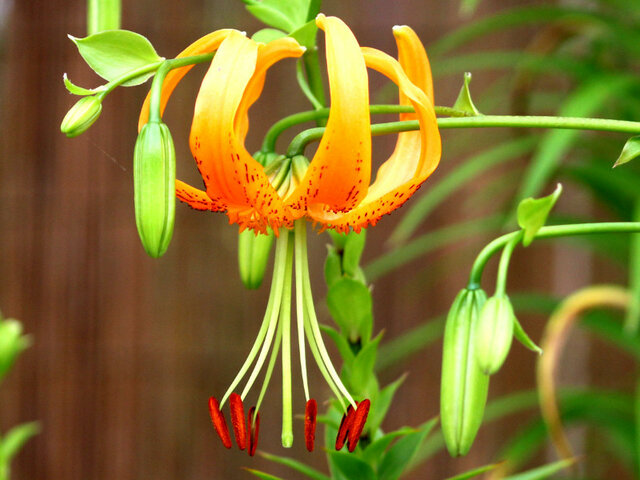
[352, 467]
[533, 213]
[113, 53]
[350, 304]
[306, 34]
[464, 102]
[343, 346]
[542, 472]
[296, 465]
[262, 475]
[76, 90]
[362, 376]
[285, 15]
[381, 403]
[476, 471]
[374, 452]
[267, 35]
[630, 151]
[398, 457]
[15, 439]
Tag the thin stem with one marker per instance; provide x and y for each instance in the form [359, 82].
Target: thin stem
[503, 267]
[156, 86]
[275, 297]
[270, 139]
[270, 366]
[109, 87]
[300, 141]
[103, 15]
[300, 310]
[306, 89]
[314, 75]
[285, 321]
[546, 232]
[632, 319]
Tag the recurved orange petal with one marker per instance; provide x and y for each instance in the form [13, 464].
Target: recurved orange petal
[208, 43]
[339, 174]
[268, 54]
[229, 172]
[416, 155]
[197, 199]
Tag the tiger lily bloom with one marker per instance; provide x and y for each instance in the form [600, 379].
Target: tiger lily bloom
[333, 191]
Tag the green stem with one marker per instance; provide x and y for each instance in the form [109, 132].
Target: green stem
[301, 140]
[632, 320]
[109, 87]
[546, 232]
[168, 65]
[103, 15]
[503, 267]
[270, 139]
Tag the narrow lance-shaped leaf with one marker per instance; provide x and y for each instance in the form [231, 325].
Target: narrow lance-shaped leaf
[533, 213]
[76, 90]
[113, 53]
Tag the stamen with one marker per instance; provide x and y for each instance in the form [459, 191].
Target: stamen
[359, 419]
[253, 428]
[219, 422]
[237, 420]
[345, 426]
[311, 411]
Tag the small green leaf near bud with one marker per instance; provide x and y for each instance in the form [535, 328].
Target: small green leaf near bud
[464, 388]
[12, 343]
[81, 116]
[154, 177]
[253, 256]
[76, 90]
[267, 35]
[533, 213]
[494, 333]
[350, 305]
[523, 338]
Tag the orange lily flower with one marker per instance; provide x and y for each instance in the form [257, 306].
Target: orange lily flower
[334, 191]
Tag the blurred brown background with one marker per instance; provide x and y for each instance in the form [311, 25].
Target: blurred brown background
[127, 349]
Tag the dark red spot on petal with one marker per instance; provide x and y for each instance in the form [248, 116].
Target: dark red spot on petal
[219, 422]
[237, 420]
[310, 413]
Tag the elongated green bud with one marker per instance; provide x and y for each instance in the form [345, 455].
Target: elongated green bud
[253, 256]
[81, 116]
[154, 177]
[12, 342]
[494, 333]
[464, 388]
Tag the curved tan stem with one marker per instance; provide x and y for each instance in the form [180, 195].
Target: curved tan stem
[554, 338]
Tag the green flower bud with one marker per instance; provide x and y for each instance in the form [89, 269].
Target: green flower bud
[81, 116]
[12, 342]
[464, 388]
[494, 333]
[253, 256]
[154, 177]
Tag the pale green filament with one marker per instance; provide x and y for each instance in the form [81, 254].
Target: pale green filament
[300, 312]
[272, 363]
[275, 298]
[311, 319]
[285, 322]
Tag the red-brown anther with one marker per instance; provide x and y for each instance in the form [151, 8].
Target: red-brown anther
[219, 422]
[345, 426]
[237, 420]
[359, 419]
[310, 413]
[253, 427]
